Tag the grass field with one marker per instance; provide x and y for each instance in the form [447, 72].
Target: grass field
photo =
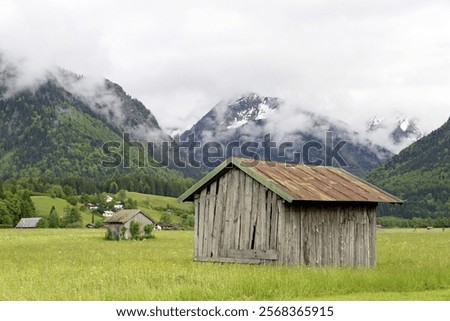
[78, 264]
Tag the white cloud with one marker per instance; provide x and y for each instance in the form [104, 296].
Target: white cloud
[347, 59]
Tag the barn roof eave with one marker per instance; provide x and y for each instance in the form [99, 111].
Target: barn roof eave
[396, 200]
[189, 194]
[262, 179]
[227, 165]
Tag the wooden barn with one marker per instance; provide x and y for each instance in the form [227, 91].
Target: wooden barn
[119, 223]
[266, 212]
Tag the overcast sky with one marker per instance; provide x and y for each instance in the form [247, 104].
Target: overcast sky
[348, 59]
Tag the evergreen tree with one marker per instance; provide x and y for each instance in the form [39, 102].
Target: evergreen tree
[113, 188]
[2, 194]
[53, 218]
[122, 195]
[26, 205]
[72, 217]
[5, 217]
[13, 203]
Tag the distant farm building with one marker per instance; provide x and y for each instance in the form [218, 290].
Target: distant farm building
[118, 206]
[29, 222]
[91, 206]
[266, 212]
[119, 223]
[108, 214]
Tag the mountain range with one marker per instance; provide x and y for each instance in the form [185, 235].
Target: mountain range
[399, 130]
[56, 131]
[251, 117]
[420, 174]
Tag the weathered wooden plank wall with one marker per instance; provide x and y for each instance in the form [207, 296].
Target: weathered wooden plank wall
[239, 220]
[236, 213]
[339, 235]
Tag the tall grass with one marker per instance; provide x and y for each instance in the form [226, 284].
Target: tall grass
[80, 265]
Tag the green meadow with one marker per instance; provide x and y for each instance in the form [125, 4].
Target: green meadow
[153, 204]
[43, 205]
[78, 264]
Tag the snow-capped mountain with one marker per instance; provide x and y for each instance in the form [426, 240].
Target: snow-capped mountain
[250, 117]
[401, 130]
[249, 107]
[228, 116]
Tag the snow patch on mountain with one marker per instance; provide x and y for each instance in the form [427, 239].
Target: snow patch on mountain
[404, 125]
[237, 123]
[395, 133]
[264, 111]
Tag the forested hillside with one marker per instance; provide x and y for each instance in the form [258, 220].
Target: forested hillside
[420, 175]
[52, 135]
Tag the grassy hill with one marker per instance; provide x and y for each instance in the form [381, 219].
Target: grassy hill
[43, 205]
[55, 135]
[153, 205]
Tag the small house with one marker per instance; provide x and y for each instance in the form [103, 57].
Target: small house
[92, 207]
[250, 211]
[119, 223]
[29, 222]
[108, 214]
[118, 206]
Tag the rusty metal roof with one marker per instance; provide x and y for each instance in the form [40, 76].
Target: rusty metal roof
[295, 182]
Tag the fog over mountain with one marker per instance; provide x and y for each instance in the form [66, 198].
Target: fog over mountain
[347, 60]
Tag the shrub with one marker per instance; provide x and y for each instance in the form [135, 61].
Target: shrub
[123, 232]
[148, 229]
[43, 223]
[5, 226]
[111, 236]
[135, 230]
[98, 223]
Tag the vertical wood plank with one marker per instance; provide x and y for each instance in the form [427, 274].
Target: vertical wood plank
[229, 208]
[372, 237]
[223, 202]
[249, 211]
[196, 225]
[211, 217]
[281, 233]
[254, 215]
[306, 237]
[201, 217]
[238, 209]
[262, 226]
[301, 213]
[218, 216]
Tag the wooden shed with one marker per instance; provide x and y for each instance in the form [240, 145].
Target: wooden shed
[251, 211]
[119, 223]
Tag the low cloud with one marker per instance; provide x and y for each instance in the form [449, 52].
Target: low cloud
[346, 60]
